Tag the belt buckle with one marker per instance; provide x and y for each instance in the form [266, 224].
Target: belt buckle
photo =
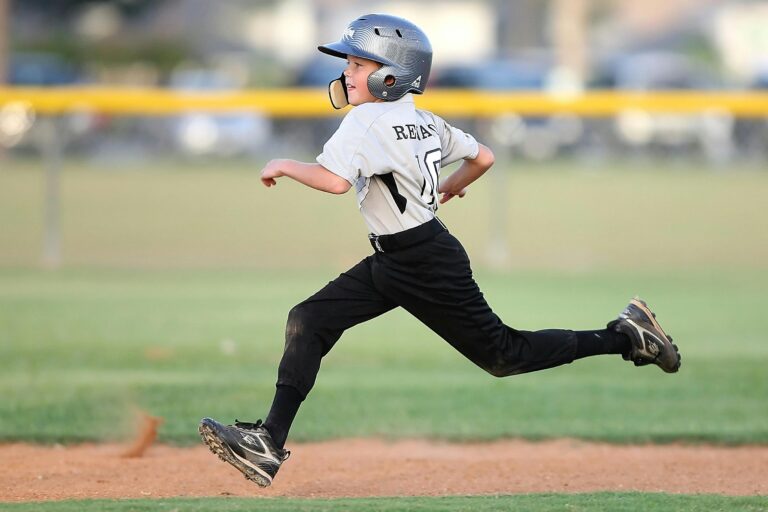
[375, 241]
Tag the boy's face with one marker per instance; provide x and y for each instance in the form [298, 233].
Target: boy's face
[356, 73]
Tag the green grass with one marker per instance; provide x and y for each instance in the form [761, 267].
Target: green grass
[80, 349]
[177, 281]
[613, 502]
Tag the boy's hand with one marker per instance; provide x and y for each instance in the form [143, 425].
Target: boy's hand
[271, 171]
[310, 174]
[470, 170]
[447, 196]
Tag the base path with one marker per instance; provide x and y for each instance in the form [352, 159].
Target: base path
[365, 467]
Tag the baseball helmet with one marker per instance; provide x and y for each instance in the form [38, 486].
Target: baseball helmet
[398, 45]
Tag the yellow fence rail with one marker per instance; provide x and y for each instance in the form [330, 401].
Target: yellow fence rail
[314, 102]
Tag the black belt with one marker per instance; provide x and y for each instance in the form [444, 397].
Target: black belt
[407, 238]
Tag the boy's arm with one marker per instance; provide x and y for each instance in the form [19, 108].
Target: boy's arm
[311, 175]
[456, 184]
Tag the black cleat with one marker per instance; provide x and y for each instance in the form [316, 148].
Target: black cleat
[247, 446]
[650, 344]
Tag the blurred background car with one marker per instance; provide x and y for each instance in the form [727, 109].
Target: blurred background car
[533, 137]
[19, 123]
[710, 132]
[41, 69]
[226, 135]
[310, 133]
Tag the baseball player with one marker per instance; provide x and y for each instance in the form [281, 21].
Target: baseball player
[393, 155]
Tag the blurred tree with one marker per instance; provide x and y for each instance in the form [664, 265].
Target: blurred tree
[78, 33]
[4, 8]
[67, 8]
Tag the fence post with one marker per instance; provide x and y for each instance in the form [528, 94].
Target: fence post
[498, 248]
[497, 251]
[51, 149]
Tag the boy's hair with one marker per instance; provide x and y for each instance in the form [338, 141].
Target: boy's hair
[398, 45]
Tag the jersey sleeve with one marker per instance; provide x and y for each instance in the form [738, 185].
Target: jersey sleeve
[339, 151]
[372, 155]
[455, 143]
[356, 149]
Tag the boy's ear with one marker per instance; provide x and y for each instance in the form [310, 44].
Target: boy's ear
[337, 90]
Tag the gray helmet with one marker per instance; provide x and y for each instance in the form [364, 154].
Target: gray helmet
[400, 46]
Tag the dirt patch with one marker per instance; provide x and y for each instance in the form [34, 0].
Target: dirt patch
[364, 467]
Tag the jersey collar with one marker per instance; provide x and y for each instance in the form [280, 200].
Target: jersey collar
[407, 98]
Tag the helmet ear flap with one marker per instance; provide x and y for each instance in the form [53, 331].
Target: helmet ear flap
[337, 91]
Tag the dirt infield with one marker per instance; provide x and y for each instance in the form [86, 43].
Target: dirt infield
[364, 467]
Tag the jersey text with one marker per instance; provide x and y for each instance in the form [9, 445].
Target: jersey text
[413, 131]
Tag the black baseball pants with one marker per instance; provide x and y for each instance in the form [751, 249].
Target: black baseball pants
[433, 281]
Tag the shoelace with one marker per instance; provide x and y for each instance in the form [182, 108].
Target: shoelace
[248, 426]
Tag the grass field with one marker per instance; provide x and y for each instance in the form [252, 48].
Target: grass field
[608, 502]
[176, 284]
[81, 348]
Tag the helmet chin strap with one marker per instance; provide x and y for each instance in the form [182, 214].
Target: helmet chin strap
[337, 91]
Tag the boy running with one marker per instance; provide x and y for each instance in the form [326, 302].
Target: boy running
[392, 154]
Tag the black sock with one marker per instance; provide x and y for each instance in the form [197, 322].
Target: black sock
[604, 341]
[284, 408]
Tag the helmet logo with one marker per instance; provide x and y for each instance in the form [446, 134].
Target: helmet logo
[348, 33]
[417, 82]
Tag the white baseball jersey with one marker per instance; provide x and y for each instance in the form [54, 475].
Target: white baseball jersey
[392, 153]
